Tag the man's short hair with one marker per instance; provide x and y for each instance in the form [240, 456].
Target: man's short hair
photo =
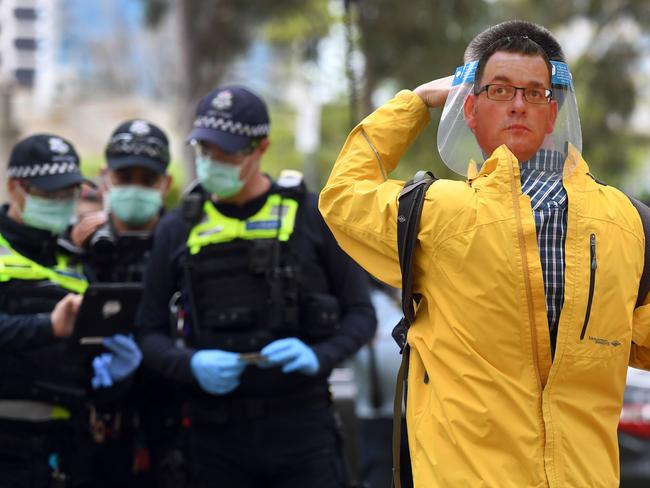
[516, 36]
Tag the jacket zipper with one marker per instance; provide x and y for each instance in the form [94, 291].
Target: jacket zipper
[592, 283]
[516, 191]
[529, 300]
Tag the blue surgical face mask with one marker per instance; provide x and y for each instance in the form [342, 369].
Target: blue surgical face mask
[47, 213]
[134, 205]
[219, 178]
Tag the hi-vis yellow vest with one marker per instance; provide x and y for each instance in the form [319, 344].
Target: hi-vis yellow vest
[15, 266]
[276, 219]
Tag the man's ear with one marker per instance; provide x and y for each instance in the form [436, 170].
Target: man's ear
[16, 198]
[103, 176]
[167, 185]
[552, 117]
[263, 145]
[469, 111]
[11, 186]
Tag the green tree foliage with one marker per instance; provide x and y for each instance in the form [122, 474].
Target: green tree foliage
[409, 44]
[214, 32]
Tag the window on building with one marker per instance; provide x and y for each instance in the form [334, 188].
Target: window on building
[25, 44]
[24, 76]
[24, 13]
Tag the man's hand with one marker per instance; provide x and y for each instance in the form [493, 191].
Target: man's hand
[64, 315]
[114, 366]
[434, 93]
[293, 355]
[86, 227]
[217, 371]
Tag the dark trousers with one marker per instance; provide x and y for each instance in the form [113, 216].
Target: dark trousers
[295, 450]
[376, 453]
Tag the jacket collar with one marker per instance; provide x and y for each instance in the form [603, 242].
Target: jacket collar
[501, 173]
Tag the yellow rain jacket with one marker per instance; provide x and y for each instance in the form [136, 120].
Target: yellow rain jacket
[495, 410]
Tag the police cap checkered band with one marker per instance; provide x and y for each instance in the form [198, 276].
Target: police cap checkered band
[138, 143]
[232, 117]
[41, 169]
[227, 125]
[47, 161]
[127, 145]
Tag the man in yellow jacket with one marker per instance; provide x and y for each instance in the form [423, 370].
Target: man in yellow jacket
[528, 270]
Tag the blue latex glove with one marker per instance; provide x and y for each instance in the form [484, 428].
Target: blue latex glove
[102, 378]
[123, 360]
[125, 356]
[293, 355]
[217, 371]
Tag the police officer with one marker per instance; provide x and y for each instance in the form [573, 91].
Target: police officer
[134, 434]
[42, 389]
[269, 304]
[135, 183]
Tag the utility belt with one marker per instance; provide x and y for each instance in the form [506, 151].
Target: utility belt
[23, 446]
[22, 438]
[29, 411]
[223, 410]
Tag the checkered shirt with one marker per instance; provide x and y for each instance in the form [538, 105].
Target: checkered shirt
[541, 180]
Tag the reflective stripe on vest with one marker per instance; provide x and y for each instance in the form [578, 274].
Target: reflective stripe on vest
[15, 266]
[32, 411]
[218, 229]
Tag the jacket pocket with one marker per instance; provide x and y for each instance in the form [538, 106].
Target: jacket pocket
[593, 264]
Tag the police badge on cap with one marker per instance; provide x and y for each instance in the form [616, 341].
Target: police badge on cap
[138, 143]
[231, 117]
[46, 161]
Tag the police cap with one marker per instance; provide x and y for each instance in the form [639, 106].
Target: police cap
[232, 117]
[47, 161]
[138, 143]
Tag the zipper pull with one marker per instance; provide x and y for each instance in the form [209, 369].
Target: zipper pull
[594, 264]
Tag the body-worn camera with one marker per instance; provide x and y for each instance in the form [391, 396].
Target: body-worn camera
[103, 244]
[106, 247]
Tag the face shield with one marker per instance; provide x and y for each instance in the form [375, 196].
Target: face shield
[457, 143]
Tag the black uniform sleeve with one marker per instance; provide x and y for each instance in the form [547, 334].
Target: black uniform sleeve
[160, 283]
[24, 332]
[350, 285]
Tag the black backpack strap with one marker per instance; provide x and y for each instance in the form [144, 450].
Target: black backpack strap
[644, 284]
[411, 200]
[410, 203]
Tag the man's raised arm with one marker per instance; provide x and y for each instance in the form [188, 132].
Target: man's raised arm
[359, 202]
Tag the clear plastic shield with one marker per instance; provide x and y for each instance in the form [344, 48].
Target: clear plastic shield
[457, 143]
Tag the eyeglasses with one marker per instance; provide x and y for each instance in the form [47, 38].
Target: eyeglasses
[505, 93]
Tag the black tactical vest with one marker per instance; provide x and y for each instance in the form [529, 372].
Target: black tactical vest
[248, 285]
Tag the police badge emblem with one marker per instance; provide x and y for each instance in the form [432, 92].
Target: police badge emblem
[223, 100]
[58, 146]
[139, 128]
